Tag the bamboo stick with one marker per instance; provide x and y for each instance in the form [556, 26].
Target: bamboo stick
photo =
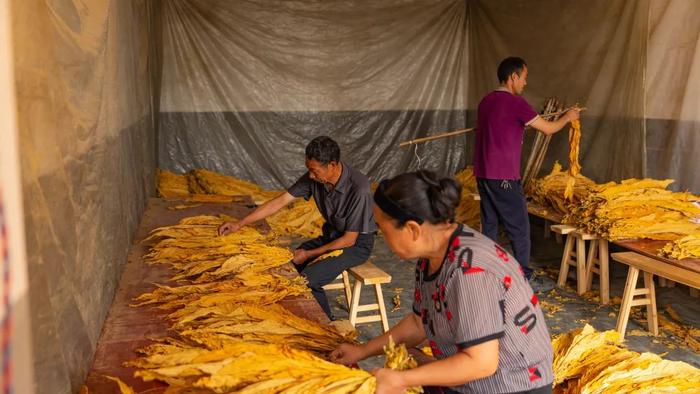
[464, 131]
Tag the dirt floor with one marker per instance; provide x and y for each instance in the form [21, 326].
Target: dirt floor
[564, 309]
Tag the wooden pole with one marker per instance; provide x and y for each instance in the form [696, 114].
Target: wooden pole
[464, 131]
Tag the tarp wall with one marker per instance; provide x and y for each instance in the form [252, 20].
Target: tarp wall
[247, 84]
[673, 93]
[85, 73]
[590, 52]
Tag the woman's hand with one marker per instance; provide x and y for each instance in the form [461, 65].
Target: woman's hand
[389, 381]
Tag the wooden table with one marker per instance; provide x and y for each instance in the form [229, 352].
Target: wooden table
[650, 248]
[127, 329]
[549, 215]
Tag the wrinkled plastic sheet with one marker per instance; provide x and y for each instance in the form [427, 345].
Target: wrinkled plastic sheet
[587, 52]
[247, 84]
[673, 93]
[85, 117]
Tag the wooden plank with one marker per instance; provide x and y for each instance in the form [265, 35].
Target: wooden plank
[563, 229]
[544, 212]
[657, 267]
[369, 274]
[627, 296]
[382, 308]
[652, 316]
[604, 261]
[127, 329]
[651, 249]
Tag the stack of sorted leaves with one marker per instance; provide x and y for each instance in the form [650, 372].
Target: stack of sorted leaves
[574, 166]
[211, 182]
[247, 288]
[171, 185]
[683, 248]
[551, 190]
[300, 219]
[468, 211]
[245, 367]
[195, 251]
[218, 326]
[637, 209]
[592, 362]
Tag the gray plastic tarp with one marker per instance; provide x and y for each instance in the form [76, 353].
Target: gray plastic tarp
[247, 84]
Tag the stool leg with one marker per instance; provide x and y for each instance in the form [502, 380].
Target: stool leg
[670, 283]
[355, 301]
[591, 261]
[580, 265]
[652, 317]
[662, 282]
[348, 291]
[627, 296]
[547, 229]
[564, 268]
[603, 261]
[382, 307]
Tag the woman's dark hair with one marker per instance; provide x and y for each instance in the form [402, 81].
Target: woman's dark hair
[423, 195]
[323, 149]
[509, 66]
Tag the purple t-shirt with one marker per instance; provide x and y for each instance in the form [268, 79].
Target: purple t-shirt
[501, 120]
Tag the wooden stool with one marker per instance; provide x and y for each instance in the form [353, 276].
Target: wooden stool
[342, 281]
[368, 274]
[649, 267]
[574, 255]
[598, 263]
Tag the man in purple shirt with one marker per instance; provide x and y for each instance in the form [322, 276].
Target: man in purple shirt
[501, 120]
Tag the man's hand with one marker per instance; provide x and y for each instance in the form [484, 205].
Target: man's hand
[572, 114]
[347, 354]
[229, 227]
[389, 381]
[300, 255]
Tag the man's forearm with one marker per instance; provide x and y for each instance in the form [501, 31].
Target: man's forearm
[267, 209]
[345, 241]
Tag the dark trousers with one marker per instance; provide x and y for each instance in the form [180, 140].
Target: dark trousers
[324, 272]
[504, 201]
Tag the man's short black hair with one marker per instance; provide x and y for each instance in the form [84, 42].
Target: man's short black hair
[323, 149]
[509, 66]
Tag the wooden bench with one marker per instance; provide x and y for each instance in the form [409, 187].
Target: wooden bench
[649, 267]
[598, 262]
[342, 281]
[574, 255]
[368, 274]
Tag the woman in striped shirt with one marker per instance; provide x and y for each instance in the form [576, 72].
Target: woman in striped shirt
[472, 302]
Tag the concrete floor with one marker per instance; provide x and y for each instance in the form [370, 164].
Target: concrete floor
[574, 313]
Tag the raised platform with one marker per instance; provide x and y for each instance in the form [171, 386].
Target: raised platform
[127, 329]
